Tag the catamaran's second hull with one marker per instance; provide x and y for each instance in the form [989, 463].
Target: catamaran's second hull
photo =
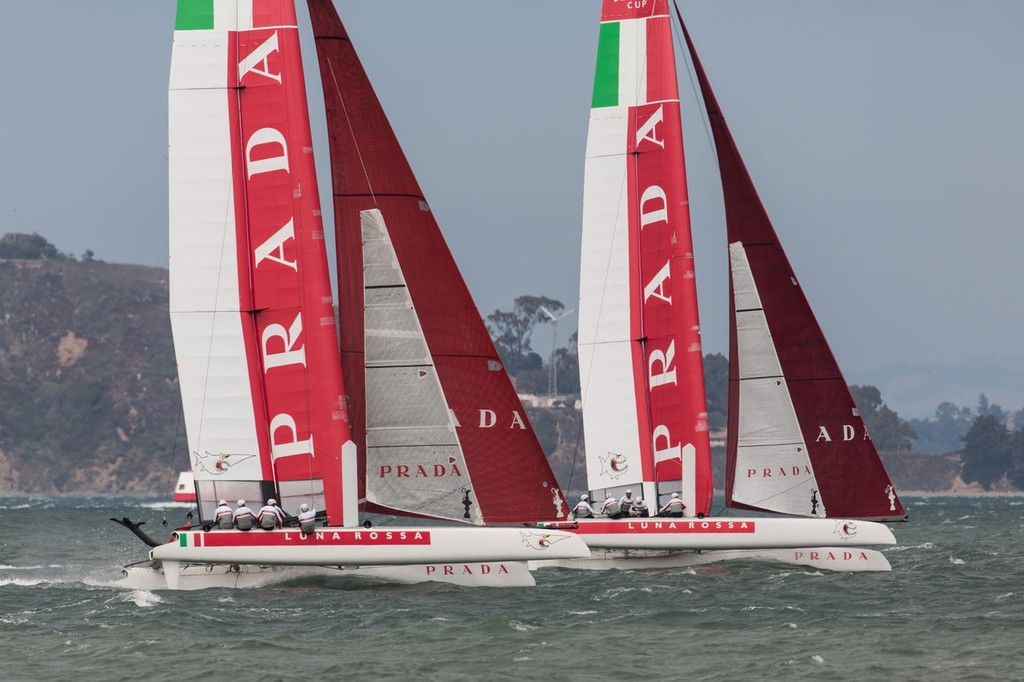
[363, 547]
[729, 533]
[838, 559]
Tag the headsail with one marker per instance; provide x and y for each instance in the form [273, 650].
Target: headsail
[641, 369]
[451, 439]
[797, 444]
[251, 306]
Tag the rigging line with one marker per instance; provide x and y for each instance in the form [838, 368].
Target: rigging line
[352, 134]
[678, 28]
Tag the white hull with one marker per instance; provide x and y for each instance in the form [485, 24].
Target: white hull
[839, 559]
[369, 547]
[729, 533]
[152, 576]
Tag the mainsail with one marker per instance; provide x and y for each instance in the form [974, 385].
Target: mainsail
[432, 408]
[797, 443]
[641, 369]
[251, 306]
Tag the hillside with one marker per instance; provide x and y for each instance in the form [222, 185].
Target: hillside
[89, 396]
[89, 399]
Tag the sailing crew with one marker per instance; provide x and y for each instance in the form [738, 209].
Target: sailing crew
[611, 508]
[243, 517]
[583, 510]
[270, 515]
[223, 516]
[674, 507]
[626, 503]
[307, 518]
[639, 508]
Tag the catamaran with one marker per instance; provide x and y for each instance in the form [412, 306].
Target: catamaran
[409, 413]
[797, 445]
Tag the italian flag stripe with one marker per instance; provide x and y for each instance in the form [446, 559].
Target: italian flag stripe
[183, 539]
[194, 15]
[606, 78]
[622, 64]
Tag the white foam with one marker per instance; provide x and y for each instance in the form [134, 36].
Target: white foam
[143, 598]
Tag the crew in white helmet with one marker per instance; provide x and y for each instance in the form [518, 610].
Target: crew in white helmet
[611, 508]
[639, 508]
[243, 517]
[270, 515]
[223, 515]
[626, 503]
[583, 510]
[674, 507]
[307, 518]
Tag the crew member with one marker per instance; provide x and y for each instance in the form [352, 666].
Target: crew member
[583, 510]
[674, 507]
[611, 508]
[270, 515]
[626, 503]
[223, 516]
[307, 518]
[243, 517]
[639, 508]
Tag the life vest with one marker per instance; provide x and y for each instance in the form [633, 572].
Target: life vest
[243, 521]
[224, 520]
[307, 521]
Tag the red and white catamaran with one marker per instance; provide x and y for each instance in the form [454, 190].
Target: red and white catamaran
[797, 445]
[425, 422]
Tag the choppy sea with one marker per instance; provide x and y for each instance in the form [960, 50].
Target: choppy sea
[952, 609]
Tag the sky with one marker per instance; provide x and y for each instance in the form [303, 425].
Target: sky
[885, 138]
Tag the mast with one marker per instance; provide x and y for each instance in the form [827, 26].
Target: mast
[251, 305]
[641, 368]
[434, 412]
[797, 443]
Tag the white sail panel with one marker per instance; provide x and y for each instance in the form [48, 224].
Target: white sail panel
[413, 458]
[773, 469]
[216, 396]
[610, 416]
[204, 297]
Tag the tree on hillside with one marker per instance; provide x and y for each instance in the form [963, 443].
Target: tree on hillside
[512, 330]
[945, 431]
[28, 247]
[889, 432]
[987, 454]
[1016, 475]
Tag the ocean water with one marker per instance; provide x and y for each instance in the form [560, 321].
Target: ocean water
[952, 609]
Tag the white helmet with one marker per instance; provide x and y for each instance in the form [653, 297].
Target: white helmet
[629, 492]
[675, 494]
[241, 503]
[584, 497]
[271, 501]
[222, 502]
[638, 500]
[303, 507]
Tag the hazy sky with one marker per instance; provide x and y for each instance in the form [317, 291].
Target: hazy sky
[885, 137]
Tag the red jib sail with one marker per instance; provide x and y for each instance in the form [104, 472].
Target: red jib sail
[432, 407]
[797, 443]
